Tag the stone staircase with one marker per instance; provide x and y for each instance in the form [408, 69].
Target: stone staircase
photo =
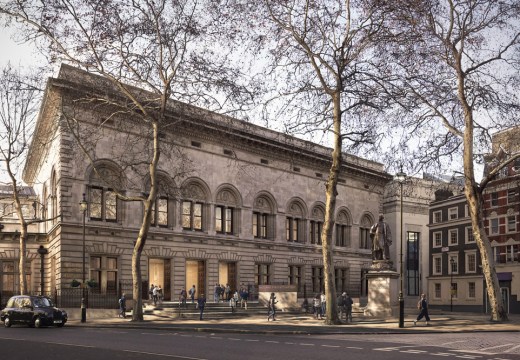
[221, 310]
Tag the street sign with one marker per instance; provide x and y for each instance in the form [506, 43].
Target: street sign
[445, 249]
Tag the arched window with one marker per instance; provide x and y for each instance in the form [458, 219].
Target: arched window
[194, 199]
[316, 224]
[227, 213]
[343, 229]
[294, 222]
[364, 232]
[103, 203]
[263, 217]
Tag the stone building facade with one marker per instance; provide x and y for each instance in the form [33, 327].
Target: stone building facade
[237, 204]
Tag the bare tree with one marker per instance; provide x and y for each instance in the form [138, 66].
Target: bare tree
[322, 78]
[168, 48]
[18, 100]
[458, 63]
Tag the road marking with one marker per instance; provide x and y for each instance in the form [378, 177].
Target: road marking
[353, 347]
[441, 354]
[289, 343]
[387, 349]
[163, 355]
[252, 340]
[412, 351]
[304, 344]
[468, 356]
[331, 346]
[511, 349]
[494, 347]
[234, 339]
[272, 342]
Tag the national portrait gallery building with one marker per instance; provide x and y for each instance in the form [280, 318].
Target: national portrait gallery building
[237, 204]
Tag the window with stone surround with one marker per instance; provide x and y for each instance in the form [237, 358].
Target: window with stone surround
[103, 202]
[471, 262]
[262, 274]
[437, 264]
[104, 271]
[317, 217]
[472, 290]
[453, 236]
[364, 233]
[437, 239]
[263, 221]
[227, 213]
[294, 222]
[343, 229]
[194, 202]
[317, 279]
[437, 292]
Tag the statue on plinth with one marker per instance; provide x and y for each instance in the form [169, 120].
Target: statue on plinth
[381, 237]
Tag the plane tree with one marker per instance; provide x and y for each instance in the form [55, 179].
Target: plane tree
[170, 49]
[457, 66]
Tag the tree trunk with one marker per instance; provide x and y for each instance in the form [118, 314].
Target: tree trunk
[330, 206]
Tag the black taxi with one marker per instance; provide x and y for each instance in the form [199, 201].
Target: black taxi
[35, 311]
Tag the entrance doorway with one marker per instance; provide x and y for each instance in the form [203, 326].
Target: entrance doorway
[196, 275]
[227, 274]
[160, 275]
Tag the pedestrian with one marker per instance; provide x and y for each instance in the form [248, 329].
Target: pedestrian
[243, 298]
[182, 298]
[423, 306]
[227, 291]
[155, 294]
[150, 292]
[271, 312]
[323, 299]
[216, 293]
[347, 303]
[122, 306]
[317, 306]
[201, 303]
[232, 304]
[160, 295]
[192, 294]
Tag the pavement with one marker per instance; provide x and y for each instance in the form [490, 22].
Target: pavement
[294, 323]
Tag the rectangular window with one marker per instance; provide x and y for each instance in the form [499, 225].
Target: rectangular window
[466, 210]
[437, 265]
[511, 223]
[263, 274]
[453, 236]
[454, 290]
[453, 264]
[229, 220]
[110, 206]
[317, 279]
[291, 229]
[224, 219]
[511, 196]
[364, 238]
[494, 226]
[219, 219]
[315, 232]
[260, 225]
[192, 215]
[437, 239]
[295, 276]
[469, 235]
[437, 291]
[95, 203]
[103, 270]
[437, 217]
[412, 263]
[471, 262]
[472, 290]
[453, 213]
[494, 199]
[160, 212]
[8, 269]
[342, 235]
[341, 277]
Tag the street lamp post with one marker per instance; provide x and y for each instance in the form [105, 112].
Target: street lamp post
[452, 263]
[400, 177]
[42, 251]
[83, 204]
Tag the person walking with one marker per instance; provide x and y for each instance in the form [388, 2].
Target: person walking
[216, 293]
[347, 303]
[316, 304]
[192, 294]
[244, 295]
[232, 304]
[271, 312]
[423, 306]
[182, 298]
[155, 295]
[122, 306]
[323, 299]
[201, 303]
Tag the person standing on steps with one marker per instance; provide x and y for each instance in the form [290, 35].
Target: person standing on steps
[192, 294]
[423, 306]
[201, 303]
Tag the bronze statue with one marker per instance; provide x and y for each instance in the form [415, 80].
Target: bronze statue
[381, 240]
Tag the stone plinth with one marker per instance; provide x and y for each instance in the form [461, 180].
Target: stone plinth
[383, 290]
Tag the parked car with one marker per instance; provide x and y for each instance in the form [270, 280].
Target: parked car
[35, 311]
